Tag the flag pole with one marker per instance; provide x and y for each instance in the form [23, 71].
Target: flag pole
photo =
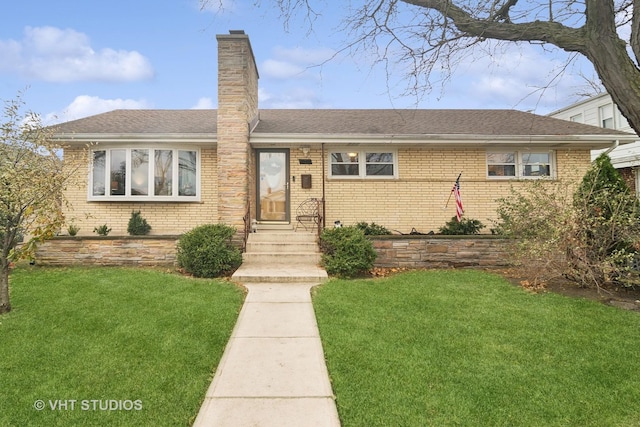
[451, 192]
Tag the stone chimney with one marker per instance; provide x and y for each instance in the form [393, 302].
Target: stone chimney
[237, 111]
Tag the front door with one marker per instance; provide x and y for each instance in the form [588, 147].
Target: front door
[273, 184]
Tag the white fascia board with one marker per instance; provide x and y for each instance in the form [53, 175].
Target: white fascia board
[583, 141]
[104, 138]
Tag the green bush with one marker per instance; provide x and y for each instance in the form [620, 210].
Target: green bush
[138, 226]
[103, 230]
[372, 229]
[207, 251]
[346, 251]
[465, 226]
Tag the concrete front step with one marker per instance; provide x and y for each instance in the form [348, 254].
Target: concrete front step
[280, 273]
[281, 236]
[281, 257]
[281, 247]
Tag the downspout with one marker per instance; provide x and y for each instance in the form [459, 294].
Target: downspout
[615, 145]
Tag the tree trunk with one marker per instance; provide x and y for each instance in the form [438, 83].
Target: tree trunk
[5, 305]
[610, 57]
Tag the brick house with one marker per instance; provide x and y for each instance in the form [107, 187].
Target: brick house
[183, 168]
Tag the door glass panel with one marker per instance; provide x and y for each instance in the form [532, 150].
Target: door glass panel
[273, 181]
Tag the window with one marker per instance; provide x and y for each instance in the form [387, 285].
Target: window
[363, 164]
[577, 118]
[144, 174]
[517, 164]
[606, 116]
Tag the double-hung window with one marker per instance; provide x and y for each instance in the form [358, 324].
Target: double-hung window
[372, 164]
[153, 174]
[520, 164]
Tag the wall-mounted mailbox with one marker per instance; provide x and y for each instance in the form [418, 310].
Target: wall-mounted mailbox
[306, 181]
[305, 161]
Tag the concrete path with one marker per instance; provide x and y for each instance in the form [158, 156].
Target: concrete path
[272, 372]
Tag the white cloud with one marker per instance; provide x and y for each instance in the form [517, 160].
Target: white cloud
[85, 105]
[204, 104]
[289, 98]
[64, 55]
[296, 62]
[280, 69]
[522, 77]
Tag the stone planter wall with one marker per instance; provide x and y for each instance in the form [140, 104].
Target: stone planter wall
[420, 251]
[108, 251]
[393, 251]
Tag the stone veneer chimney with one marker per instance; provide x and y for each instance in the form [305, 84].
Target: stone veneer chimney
[237, 110]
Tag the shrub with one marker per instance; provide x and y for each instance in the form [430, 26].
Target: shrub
[207, 251]
[103, 230]
[73, 229]
[138, 226]
[346, 251]
[372, 229]
[585, 231]
[464, 226]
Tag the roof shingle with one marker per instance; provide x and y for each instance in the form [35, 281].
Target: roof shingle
[337, 122]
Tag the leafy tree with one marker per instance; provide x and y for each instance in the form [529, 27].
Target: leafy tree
[427, 36]
[31, 183]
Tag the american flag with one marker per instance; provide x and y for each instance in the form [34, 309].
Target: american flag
[456, 192]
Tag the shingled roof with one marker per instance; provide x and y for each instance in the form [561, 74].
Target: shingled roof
[335, 122]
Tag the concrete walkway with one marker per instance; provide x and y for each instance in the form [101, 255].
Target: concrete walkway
[272, 372]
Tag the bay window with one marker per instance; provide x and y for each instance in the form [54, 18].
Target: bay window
[144, 174]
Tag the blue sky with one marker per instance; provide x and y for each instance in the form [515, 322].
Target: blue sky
[75, 58]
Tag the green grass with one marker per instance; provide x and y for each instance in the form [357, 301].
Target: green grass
[111, 334]
[466, 348]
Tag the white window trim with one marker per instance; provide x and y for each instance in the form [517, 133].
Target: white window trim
[362, 162]
[520, 165]
[148, 198]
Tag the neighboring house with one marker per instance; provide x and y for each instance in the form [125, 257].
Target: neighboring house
[183, 168]
[602, 112]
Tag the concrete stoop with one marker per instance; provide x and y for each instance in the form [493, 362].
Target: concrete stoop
[281, 255]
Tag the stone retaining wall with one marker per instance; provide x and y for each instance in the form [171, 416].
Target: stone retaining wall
[108, 251]
[418, 251]
[411, 251]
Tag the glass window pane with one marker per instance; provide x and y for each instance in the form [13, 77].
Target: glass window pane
[536, 164]
[187, 173]
[118, 172]
[379, 157]
[163, 171]
[139, 172]
[377, 169]
[99, 172]
[497, 158]
[344, 157]
[501, 170]
[342, 170]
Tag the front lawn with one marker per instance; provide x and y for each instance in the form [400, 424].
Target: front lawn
[110, 346]
[466, 348]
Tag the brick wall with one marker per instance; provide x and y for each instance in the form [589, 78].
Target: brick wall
[164, 217]
[418, 197]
